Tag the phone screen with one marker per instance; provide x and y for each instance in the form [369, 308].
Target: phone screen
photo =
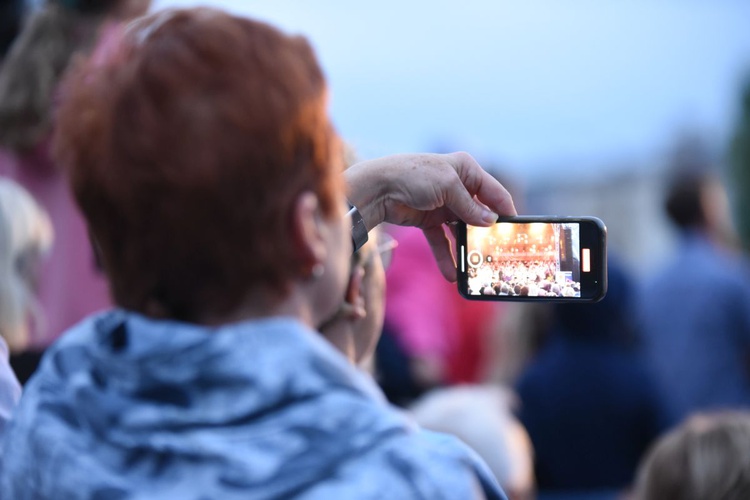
[533, 260]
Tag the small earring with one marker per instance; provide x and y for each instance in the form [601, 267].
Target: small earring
[317, 270]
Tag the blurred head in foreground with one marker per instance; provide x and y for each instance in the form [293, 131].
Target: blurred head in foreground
[707, 457]
[200, 151]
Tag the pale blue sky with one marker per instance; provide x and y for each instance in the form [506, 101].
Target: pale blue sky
[532, 84]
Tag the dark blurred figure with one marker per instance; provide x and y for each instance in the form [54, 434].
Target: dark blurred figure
[11, 14]
[695, 311]
[705, 458]
[71, 285]
[586, 399]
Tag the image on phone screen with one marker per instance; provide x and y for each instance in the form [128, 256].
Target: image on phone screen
[531, 260]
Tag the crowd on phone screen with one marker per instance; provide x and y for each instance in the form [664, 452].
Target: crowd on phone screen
[564, 401]
[521, 278]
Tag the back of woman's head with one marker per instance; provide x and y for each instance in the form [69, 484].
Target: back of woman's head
[25, 235]
[188, 137]
[706, 458]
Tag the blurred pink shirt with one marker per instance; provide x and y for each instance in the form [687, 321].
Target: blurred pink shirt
[70, 286]
[420, 307]
[428, 316]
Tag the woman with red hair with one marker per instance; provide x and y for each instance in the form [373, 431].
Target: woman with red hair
[200, 151]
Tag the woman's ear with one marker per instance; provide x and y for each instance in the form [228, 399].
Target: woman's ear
[307, 236]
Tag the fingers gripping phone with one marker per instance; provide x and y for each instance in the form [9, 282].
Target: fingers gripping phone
[533, 258]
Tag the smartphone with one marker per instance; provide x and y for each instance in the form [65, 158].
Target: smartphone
[533, 258]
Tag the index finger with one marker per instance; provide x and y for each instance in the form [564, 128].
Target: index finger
[484, 186]
[495, 196]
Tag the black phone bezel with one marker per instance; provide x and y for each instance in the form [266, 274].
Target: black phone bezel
[593, 235]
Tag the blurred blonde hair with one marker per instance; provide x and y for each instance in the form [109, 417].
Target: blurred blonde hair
[25, 236]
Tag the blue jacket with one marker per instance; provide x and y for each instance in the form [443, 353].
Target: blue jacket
[589, 390]
[127, 407]
[695, 316]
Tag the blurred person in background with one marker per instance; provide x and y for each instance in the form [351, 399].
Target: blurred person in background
[71, 284]
[25, 237]
[482, 417]
[704, 458]
[211, 182]
[695, 310]
[586, 398]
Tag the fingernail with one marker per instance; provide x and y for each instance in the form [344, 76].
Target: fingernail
[489, 216]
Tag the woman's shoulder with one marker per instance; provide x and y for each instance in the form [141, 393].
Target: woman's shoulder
[438, 465]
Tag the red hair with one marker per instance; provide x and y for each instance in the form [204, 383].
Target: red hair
[188, 138]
